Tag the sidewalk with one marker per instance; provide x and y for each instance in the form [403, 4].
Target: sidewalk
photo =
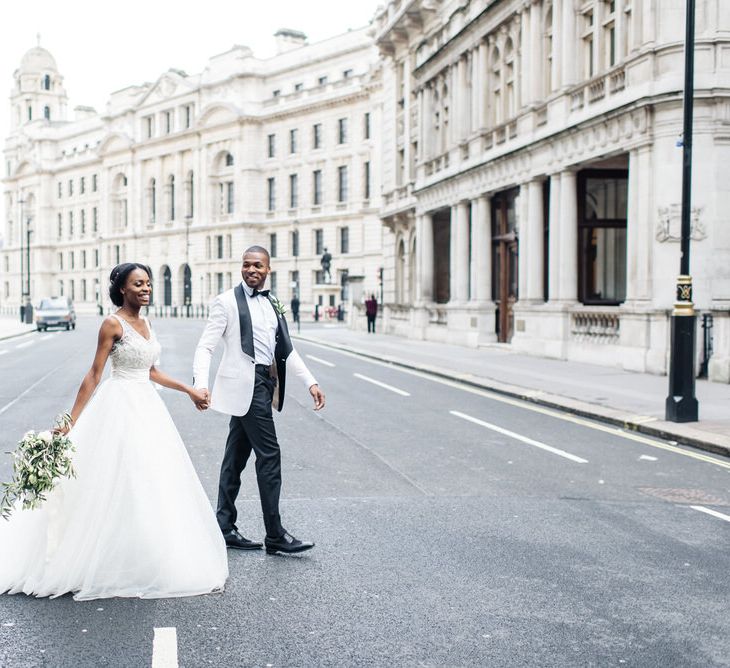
[10, 326]
[629, 400]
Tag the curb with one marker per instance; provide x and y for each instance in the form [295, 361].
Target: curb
[643, 424]
[5, 337]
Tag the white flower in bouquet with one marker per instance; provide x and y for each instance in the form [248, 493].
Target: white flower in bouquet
[38, 462]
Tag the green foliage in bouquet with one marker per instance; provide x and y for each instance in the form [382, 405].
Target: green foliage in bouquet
[39, 461]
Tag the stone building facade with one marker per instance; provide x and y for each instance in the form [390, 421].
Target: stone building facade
[186, 172]
[532, 174]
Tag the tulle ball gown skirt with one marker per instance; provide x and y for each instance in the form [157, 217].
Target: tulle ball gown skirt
[134, 522]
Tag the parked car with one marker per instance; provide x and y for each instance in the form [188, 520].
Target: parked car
[55, 312]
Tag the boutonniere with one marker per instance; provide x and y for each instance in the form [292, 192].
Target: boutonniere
[278, 306]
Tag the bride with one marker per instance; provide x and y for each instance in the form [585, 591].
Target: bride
[135, 521]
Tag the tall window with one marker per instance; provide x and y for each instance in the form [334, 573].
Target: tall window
[70, 187]
[153, 200]
[70, 224]
[318, 242]
[168, 122]
[317, 135]
[317, 187]
[272, 244]
[366, 125]
[60, 190]
[588, 44]
[341, 130]
[602, 213]
[292, 141]
[95, 220]
[271, 143]
[83, 222]
[366, 180]
[271, 193]
[272, 281]
[46, 82]
[548, 48]
[510, 86]
[171, 196]
[293, 191]
[60, 226]
[94, 183]
[82, 185]
[190, 194]
[47, 113]
[495, 75]
[229, 160]
[295, 243]
[229, 197]
[344, 240]
[219, 246]
[188, 115]
[149, 126]
[609, 32]
[342, 183]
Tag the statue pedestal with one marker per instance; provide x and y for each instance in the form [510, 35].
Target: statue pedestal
[326, 299]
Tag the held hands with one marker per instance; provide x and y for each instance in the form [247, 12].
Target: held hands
[318, 397]
[201, 398]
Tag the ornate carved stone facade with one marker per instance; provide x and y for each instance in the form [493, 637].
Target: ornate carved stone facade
[530, 170]
[186, 172]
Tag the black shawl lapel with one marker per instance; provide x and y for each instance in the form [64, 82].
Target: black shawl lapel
[284, 348]
[244, 321]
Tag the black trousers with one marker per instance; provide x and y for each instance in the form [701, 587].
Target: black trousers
[253, 431]
[371, 323]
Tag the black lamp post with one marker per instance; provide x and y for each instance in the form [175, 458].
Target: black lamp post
[28, 305]
[22, 260]
[681, 404]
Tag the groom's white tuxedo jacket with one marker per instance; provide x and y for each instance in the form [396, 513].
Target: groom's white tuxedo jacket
[234, 383]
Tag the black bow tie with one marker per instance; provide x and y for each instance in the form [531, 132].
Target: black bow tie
[263, 293]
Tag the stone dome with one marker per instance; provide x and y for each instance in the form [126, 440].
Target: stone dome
[38, 60]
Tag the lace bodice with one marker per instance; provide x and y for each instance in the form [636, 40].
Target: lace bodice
[133, 355]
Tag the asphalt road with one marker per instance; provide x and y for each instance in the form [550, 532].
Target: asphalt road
[453, 528]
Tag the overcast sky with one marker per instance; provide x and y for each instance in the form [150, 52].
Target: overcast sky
[103, 46]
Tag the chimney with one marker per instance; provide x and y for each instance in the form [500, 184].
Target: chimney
[287, 39]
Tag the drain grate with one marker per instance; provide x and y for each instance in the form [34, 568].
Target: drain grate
[688, 496]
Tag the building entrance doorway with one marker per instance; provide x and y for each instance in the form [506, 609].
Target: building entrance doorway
[505, 247]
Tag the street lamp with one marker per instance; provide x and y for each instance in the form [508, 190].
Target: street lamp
[28, 305]
[681, 404]
[21, 201]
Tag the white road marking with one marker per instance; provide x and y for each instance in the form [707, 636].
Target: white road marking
[33, 386]
[520, 437]
[714, 513]
[164, 648]
[45, 337]
[24, 345]
[320, 360]
[526, 405]
[403, 393]
[648, 458]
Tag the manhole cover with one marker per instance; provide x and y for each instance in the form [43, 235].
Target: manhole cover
[688, 496]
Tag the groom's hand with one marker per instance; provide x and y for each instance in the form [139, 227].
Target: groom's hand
[201, 399]
[318, 397]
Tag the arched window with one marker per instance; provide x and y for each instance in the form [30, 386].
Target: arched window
[510, 86]
[229, 160]
[47, 113]
[166, 286]
[548, 50]
[171, 197]
[495, 80]
[47, 82]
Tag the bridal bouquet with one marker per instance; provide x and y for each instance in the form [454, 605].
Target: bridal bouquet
[39, 461]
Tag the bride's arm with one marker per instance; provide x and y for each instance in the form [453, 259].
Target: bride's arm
[109, 332]
[198, 397]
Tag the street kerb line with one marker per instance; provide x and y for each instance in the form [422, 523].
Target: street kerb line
[164, 647]
[526, 405]
[320, 360]
[520, 437]
[403, 393]
[24, 345]
[32, 387]
[714, 513]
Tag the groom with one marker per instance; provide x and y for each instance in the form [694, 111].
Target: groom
[252, 376]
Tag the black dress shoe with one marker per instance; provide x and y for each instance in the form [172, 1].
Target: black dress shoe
[238, 542]
[286, 544]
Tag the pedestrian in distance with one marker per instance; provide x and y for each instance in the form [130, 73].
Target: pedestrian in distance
[135, 521]
[371, 311]
[295, 311]
[251, 377]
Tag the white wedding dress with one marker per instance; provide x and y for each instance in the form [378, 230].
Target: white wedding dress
[135, 521]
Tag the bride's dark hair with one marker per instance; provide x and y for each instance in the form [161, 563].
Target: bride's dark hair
[118, 278]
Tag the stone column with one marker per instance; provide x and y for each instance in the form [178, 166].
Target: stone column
[421, 120]
[460, 268]
[568, 236]
[537, 57]
[525, 50]
[481, 92]
[481, 250]
[639, 225]
[533, 234]
[554, 238]
[424, 248]
[569, 40]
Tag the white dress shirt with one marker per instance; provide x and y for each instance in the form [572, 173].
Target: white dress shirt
[263, 324]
